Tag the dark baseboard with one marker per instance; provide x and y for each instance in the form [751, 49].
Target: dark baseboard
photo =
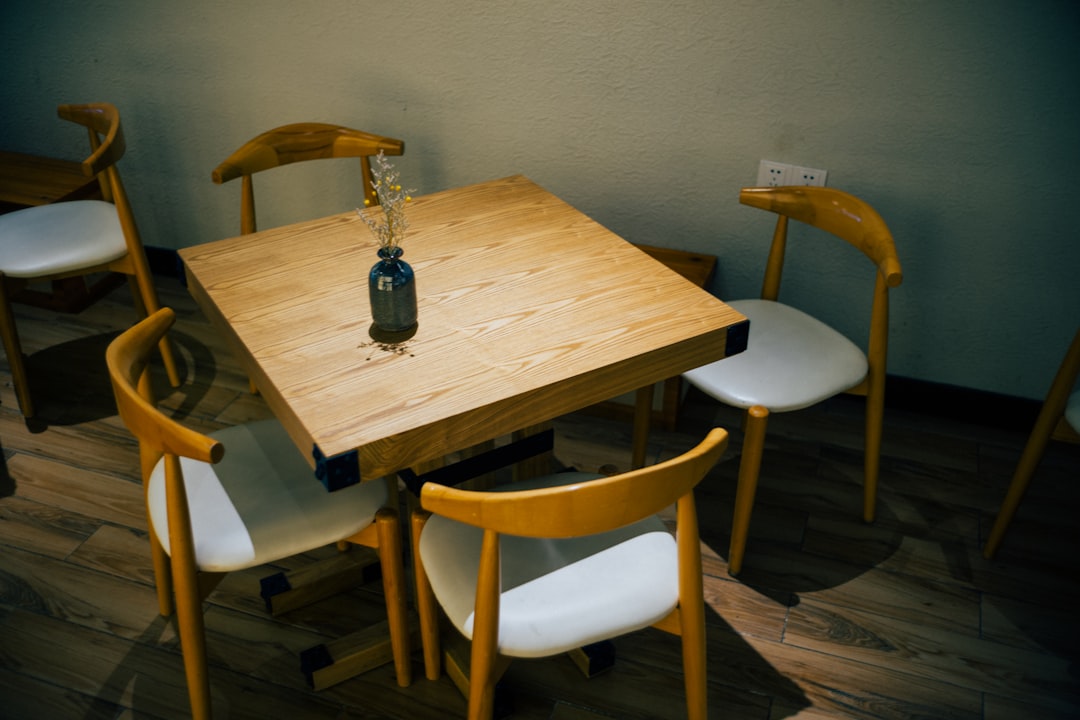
[978, 407]
[164, 262]
[948, 401]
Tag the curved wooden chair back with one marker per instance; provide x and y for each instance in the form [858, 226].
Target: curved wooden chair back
[837, 213]
[300, 142]
[568, 511]
[834, 211]
[581, 509]
[107, 145]
[102, 121]
[127, 359]
[853, 220]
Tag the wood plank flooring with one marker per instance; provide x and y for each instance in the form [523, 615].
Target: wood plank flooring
[832, 618]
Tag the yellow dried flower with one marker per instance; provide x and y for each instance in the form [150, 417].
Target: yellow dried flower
[391, 231]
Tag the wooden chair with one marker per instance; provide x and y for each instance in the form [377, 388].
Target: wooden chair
[793, 360]
[240, 497]
[76, 238]
[300, 142]
[1059, 419]
[297, 143]
[547, 565]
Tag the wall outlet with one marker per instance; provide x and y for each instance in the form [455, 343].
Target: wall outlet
[773, 174]
[807, 176]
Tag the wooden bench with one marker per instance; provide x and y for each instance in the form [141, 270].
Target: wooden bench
[31, 180]
[696, 268]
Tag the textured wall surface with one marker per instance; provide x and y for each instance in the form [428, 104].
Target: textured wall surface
[956, 120]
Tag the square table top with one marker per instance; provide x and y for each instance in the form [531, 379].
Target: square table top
[528, 310]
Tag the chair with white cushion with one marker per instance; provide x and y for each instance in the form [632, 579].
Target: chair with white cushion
[240, 497]
[76, 238]
[544, 566]
[794, 360]
[1058, 419]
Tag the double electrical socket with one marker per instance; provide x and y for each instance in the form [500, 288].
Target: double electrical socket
[774, 174]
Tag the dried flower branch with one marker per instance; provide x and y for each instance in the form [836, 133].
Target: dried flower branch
[390, 229]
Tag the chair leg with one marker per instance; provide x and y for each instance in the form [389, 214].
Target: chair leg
[757, 418]
[187, 590]
[146, 303]
[691, 611]
[875, 413]
[389, 531]
[642, 418]
[694, 676]
[1052, 410]
[484, 652]
[162, 576]
[13, 349]
[192, 630]
[1025, 469]
[426, 604]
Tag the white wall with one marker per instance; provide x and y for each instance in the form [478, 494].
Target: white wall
[956, 119]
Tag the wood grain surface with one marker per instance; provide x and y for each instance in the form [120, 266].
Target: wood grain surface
[528, 309]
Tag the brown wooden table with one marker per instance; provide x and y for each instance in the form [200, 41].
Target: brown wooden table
[528, 310]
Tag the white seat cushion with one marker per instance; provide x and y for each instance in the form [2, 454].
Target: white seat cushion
[56, 238]
[1072, 411]
[262, 502]
[557, 594]
[792, 361]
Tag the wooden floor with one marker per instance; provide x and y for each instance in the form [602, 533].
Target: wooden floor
[832, 618]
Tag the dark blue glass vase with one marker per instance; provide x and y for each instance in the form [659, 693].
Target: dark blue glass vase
[392, 289]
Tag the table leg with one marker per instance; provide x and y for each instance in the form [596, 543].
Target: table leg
[287, 591]
[594, 659]
[642, 417]
[538, 465]
[529, 454]
[328, 664]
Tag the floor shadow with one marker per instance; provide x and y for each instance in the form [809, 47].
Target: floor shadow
[197, 373]
[69, 382]
[122, 687]
[1031, 585]
[645, 679]
[746, 675]
[779, 562]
